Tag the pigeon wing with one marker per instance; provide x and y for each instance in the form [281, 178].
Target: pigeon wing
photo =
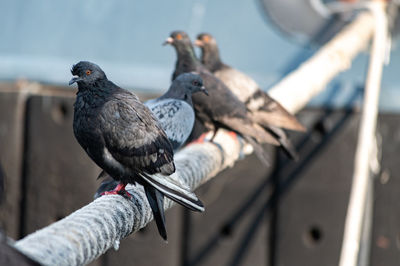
[227, 110]
[266, 110]
[240, 84]
[133, 136]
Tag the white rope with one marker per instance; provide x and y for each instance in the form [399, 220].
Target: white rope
[90, 231]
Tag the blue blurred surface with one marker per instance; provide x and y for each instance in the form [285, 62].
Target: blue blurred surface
[40, 40]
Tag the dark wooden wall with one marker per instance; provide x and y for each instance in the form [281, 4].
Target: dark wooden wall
[254, 215]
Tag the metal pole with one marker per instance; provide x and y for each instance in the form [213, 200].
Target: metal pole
[358, 197]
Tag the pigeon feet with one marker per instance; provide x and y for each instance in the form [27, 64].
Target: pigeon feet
[200, 139]
[232, 134]
[203, 136]
[119, 190]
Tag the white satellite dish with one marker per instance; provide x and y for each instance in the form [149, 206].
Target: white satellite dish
[308, 21]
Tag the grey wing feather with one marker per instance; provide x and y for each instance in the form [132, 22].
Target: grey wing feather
[285, 142]
[176, 117]
[133, 136]
[266, 110]
[240, 84]
[252, 130]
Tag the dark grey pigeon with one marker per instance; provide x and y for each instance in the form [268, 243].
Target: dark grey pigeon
[122, 136]
[222, 109]
[265, 110]
[174, 109]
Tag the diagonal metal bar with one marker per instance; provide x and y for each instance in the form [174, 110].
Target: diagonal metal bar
[90, 231]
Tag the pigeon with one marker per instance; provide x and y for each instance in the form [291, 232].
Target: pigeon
[266, 110]
[122, 136]
[174, 111]
[222, 109]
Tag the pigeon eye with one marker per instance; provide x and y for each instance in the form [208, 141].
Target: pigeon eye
[206, 38]
[179, 36]
[195, 83]
[88, 72]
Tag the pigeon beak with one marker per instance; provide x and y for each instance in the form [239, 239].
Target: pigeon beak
[204, 90]
[198, 43]
[169, 40]
[74, 79]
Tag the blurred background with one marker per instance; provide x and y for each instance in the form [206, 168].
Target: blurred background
[292, 212]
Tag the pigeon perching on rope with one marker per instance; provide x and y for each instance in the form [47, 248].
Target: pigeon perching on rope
[174, 111]
[122, 136]
[265, 110]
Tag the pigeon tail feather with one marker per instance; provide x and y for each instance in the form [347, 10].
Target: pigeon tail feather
[176, 192]
[261, 154]
[284, 141]
[266, 111]
[156, 201]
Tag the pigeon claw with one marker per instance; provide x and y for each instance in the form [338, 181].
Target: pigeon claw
[200, 139]
[233, 134]
[119, 190]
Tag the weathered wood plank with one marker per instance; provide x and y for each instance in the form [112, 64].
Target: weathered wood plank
[386, 222]
[60, 178]
[222, 197]
[312, 210]
[12, 113]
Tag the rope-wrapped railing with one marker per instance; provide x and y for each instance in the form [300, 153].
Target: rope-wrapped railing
[90, 231]
[297, 88]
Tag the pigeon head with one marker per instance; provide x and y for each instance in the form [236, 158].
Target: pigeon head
[184, 51]
[191, 82]
[86, 73]
[178, 39]
[209, 51]
[184, 86]
[205, 40]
